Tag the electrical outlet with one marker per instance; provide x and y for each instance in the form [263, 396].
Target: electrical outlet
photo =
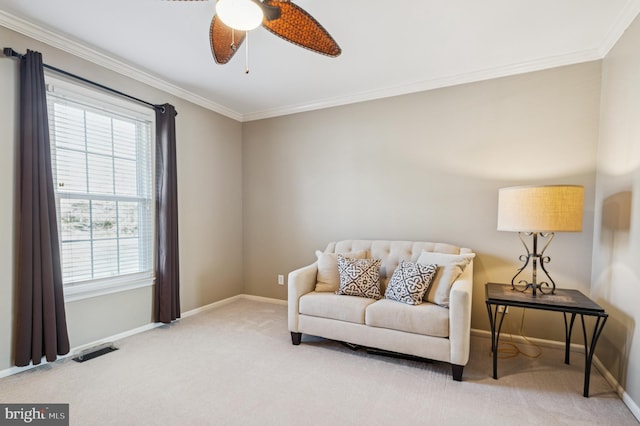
[503, 309]
[280, 279]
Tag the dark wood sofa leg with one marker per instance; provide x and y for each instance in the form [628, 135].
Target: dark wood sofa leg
[296, 337]
[457, 372]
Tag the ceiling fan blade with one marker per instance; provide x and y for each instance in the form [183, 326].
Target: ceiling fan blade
[225, 41]
[298, 27]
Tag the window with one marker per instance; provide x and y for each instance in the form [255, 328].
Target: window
[101, 153]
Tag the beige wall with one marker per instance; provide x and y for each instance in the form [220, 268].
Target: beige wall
[8, 129]
[616, 255]
[209, 161]
[425, 166]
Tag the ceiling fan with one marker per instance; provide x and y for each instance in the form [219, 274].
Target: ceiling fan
[234, 18]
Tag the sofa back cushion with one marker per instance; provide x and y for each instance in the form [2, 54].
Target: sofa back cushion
[328, 278]
[391, 253]
[450, 267]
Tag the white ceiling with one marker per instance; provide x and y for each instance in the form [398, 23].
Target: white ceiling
[388, 48]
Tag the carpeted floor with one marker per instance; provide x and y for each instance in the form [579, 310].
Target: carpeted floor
[235, 365]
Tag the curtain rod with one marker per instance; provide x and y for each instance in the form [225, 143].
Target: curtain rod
[10, 53]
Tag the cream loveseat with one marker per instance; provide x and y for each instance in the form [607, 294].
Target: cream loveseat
[437, 328]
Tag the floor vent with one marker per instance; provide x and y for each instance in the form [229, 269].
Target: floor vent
[95, 352]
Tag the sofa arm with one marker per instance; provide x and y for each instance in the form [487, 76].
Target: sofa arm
[301, 281]
[460, 316]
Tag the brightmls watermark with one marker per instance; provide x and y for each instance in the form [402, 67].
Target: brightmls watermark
[34, 414]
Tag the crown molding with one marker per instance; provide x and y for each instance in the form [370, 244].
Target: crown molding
[628, 14]
[437, 83]
[626, 17]
[87, 53]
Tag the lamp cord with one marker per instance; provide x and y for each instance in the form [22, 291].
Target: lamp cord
[513, 350]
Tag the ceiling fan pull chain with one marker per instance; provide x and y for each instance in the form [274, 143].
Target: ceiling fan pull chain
[246, 50]
[233, 41]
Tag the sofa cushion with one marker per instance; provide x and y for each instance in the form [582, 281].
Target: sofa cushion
[328, 278]
[333, 306]
[450, 266]
[410, 282]
[427, 319]
[391, 252]
[359, 277]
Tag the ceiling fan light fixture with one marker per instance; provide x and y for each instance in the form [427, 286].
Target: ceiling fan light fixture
[243, 15]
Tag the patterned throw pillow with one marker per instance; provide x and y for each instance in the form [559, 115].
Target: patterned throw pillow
[359, 277]
[409, 282]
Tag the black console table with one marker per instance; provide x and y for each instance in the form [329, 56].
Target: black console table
[566, 301]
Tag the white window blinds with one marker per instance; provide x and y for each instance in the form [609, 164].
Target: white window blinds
[102, 170]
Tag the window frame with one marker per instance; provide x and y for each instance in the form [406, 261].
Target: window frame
[102, 101]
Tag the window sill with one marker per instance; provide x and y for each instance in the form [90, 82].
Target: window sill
[97, 288]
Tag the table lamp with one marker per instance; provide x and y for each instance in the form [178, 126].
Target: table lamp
[539, 211]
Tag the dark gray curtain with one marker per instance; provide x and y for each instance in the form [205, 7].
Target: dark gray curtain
[167, 303]
[41, 328]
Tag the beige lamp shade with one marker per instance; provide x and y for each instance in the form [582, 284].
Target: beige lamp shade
[548, 208]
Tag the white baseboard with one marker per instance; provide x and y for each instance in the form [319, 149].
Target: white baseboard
[264, 299]
[210, 306]
[539, 342]
[77, 349]
[624, 396]
[630, 403]
[228, 300]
